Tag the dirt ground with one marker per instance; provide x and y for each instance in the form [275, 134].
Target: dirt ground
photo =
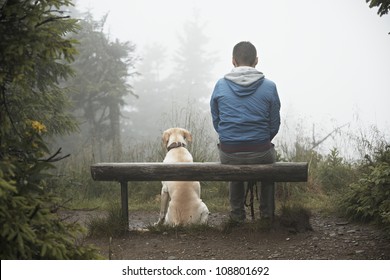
[331, 238]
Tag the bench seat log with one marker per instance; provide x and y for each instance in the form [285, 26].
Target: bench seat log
[124, 172]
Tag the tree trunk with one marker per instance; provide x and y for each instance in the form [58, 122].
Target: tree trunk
[115, 132]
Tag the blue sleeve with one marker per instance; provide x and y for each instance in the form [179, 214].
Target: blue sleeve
[275, 115]
[214, 108]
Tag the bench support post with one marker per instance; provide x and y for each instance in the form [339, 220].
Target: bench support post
[124, 202]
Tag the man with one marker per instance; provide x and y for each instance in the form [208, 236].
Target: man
[245, 108]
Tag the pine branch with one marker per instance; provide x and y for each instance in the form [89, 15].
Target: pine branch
[49, 20]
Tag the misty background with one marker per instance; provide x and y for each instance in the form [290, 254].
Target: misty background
[100, 82]
[329, 60]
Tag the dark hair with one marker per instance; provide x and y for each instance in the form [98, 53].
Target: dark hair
[244, 53]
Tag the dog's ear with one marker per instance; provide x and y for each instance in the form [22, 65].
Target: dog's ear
[187, 135]
[165, 136]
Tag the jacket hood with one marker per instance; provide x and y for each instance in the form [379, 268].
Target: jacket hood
[244, 80]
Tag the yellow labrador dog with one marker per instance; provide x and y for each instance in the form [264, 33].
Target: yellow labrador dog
[180, 200]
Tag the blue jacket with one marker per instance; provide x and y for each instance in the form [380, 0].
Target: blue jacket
[245, 108]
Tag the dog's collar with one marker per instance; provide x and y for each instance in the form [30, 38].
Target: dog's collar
[176, 145]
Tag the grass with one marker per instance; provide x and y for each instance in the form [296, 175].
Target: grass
[111, 225]
[165, 229]
[294, 218]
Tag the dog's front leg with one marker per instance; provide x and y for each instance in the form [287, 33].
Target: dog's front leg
[164, 203]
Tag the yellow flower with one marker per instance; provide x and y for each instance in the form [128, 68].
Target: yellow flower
[38, 127]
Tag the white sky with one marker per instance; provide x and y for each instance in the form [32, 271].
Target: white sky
[330, 59]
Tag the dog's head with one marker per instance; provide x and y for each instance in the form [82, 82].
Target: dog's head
[176, 135]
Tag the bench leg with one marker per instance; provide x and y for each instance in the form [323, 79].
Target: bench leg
[124, 203]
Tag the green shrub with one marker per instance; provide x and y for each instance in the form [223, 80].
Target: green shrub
[334, 173]
[368, 199]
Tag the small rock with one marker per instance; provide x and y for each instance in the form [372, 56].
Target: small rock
[171, 258]
[359, 251]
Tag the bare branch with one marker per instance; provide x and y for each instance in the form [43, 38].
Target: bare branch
[317, 143]
[54, 158]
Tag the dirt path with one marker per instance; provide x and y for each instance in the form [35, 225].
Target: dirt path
[331, 238]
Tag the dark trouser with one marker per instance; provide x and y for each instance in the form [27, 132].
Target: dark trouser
[237, 189]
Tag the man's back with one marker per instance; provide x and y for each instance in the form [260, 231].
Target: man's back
[245, 107]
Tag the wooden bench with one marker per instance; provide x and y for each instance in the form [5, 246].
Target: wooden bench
[208, 171]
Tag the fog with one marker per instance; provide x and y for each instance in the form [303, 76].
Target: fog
[329, 59]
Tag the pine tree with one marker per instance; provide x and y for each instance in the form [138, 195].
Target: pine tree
[100, 85]
[35, 56]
